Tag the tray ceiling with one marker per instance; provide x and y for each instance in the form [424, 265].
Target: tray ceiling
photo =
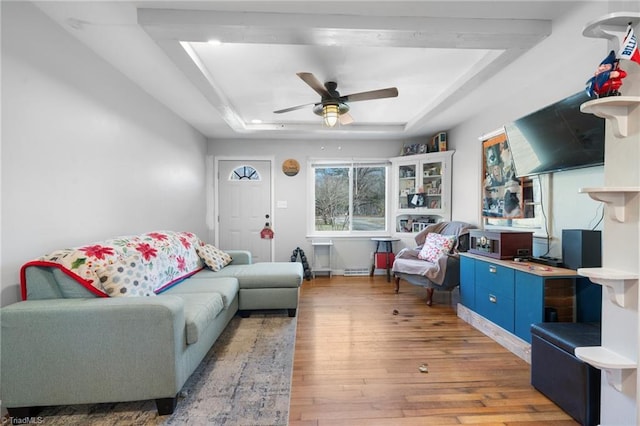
[435, 53]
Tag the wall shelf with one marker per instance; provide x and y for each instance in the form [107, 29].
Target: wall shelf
[616, 282]
[610, 26]
[617, 367]
[614, 197]
[614, 108]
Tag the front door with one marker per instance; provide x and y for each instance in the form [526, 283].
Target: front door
[244, 206]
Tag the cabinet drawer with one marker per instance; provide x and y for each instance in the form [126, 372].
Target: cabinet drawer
[497, 279]
[497, 308]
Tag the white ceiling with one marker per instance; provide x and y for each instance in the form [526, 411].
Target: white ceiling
[435, 53]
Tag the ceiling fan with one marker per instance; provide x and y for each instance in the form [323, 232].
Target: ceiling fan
[333, 107]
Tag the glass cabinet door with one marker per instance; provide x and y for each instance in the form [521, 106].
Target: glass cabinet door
[406, 184]
[432, 184]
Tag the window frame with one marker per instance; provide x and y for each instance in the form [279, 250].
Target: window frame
[312, 164]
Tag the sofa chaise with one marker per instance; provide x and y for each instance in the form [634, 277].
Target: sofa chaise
[128, 319]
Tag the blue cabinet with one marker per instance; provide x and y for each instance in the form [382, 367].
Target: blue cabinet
[511, 294]
[495, 293]
[496, 308]
[467, 282]
[529, 305]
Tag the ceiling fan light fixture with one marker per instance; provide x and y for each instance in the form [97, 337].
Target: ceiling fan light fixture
[330, 113]
[333, 107]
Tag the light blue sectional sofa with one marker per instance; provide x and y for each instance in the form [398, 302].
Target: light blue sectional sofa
[68, 342]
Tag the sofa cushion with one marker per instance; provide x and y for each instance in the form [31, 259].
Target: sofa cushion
[213, 257]
[200, 309]
[568, 335]
[227, 287]
[261, 275]
[67, 285]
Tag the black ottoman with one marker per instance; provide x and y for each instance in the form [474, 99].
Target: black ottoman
[556, 372]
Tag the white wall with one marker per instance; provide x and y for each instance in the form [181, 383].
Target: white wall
[554, 69]
[289, 224]
[86, 155]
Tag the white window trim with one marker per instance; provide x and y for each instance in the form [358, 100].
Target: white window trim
[311, 213]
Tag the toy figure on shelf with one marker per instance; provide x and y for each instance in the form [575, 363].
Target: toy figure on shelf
[607, 79]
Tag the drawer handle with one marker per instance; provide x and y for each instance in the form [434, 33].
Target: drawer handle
[493, 299]
[492, 269]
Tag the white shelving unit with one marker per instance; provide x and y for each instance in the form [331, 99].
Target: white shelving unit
[617, 356]
[421, 186]
[321, 256]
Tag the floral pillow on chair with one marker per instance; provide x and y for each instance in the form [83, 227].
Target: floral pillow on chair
[435, 245]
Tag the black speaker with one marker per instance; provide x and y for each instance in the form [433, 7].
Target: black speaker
[581, 248]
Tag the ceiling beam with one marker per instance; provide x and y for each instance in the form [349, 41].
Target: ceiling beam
[268, 28]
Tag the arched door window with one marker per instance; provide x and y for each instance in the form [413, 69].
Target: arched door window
[244, 172]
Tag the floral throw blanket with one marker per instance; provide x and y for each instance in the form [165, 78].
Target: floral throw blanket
[140, 265]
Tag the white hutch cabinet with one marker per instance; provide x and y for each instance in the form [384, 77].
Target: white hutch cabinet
[421, 186]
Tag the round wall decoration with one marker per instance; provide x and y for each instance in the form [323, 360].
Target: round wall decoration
[290, 167]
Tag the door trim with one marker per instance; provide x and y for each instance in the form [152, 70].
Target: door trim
[215, 214]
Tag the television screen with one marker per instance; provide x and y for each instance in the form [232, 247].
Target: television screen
[558, 137]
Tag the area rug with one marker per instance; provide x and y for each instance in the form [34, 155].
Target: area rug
[245, 380]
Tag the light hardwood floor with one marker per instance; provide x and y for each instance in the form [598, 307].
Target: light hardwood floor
[359, 347]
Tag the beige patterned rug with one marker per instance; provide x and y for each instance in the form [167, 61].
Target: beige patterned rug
[245, 380]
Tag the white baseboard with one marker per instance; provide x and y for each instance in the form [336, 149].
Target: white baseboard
[511, 342]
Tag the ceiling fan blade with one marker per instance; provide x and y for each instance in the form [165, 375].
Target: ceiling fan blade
[280, 111]
[390, 92]
[314, 83]
[345, 118]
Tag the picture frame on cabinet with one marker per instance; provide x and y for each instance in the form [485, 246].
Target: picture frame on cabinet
[419, 226]
[416, 200]
[415, 148]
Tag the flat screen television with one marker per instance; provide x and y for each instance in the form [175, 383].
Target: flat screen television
[557, 137]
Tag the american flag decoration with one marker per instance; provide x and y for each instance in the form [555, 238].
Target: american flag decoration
[629, 49]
